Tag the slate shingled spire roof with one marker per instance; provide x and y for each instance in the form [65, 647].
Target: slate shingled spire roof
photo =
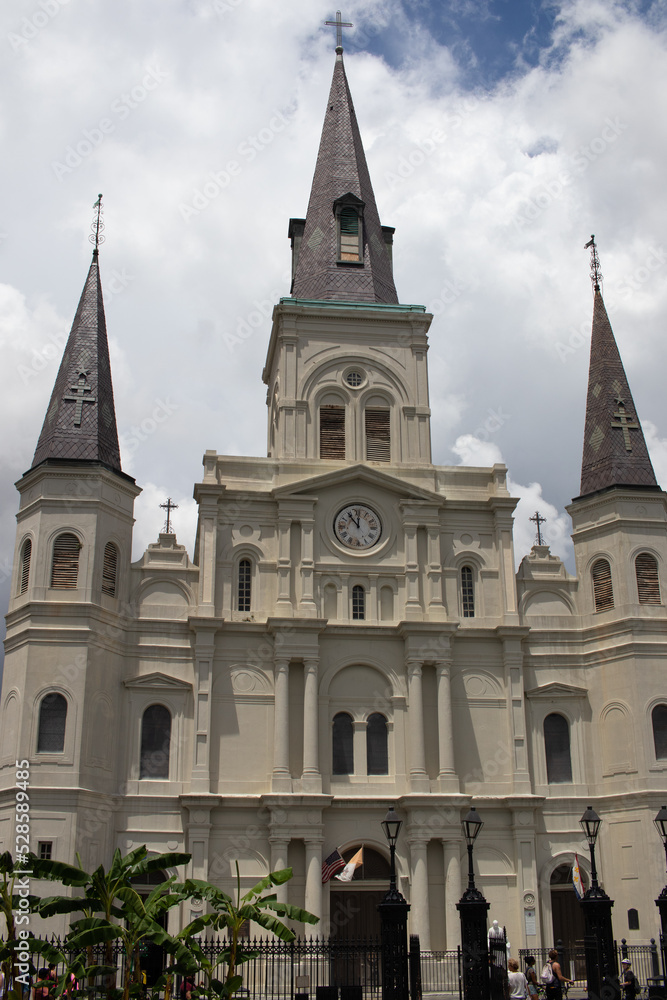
[80, 423]
[615, 452]
[341, 170]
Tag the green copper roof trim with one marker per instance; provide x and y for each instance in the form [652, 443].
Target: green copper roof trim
[326, 303]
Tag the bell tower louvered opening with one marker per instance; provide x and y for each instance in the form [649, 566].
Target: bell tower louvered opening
[602, 588]
[65, 567]
[648, 583]
[110, 569]
[378, 435]
[25, 564]
[350, 231]
[332, 432]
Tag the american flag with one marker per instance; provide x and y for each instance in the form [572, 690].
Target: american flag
[331, 865]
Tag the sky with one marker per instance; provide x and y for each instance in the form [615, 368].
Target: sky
[500, 134]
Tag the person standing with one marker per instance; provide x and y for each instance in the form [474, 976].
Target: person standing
[531, 976]
[628, 981]
[518, 984]
[554, 990]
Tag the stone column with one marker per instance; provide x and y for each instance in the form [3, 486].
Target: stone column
[420, 916]
[413, 607]
[313, 882]
[447, 777]
[200, 778]
[452, 855]
[311, 779]
[284, 601]
[307, 607]
[208, 520]
[279, 849]
[281, 772]
[436, 608]
[418, 776]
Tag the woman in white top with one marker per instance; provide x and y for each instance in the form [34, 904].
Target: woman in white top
[518, 985]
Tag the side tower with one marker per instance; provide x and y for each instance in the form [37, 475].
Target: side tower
[70, 594]
[620, 515]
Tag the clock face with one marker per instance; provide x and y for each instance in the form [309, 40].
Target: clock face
[357, 526]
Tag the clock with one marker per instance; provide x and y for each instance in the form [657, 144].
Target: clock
[357, 526]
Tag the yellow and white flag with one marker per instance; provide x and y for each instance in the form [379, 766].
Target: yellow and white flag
[348, 871]
[576, 878]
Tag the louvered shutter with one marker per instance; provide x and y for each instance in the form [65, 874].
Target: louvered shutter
[25, 565]
[343, 744]
[52, 720]
[378, 438]
[332, 432]
[65, 568]
[109, 570]
[648, 584]
[659, 719]
[557, 749]
[602, 588]
[349, 234]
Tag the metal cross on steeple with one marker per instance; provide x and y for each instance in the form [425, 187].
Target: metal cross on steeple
[79, 397]
[539, 520]
[340, 24]
[168, 506]
[625, 422]
[97, 225]
[596, 273]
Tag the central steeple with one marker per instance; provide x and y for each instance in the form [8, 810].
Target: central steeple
[341, 252]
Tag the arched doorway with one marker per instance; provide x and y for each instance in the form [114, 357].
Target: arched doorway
[152, 955]
[353, 905]
[568, 920]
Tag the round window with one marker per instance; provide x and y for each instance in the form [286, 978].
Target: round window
[354, 378]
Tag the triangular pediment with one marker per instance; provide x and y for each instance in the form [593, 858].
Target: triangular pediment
[358, 474]
[157, 682]
[557, 690]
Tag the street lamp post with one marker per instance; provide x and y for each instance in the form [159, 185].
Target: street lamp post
[394, 923]
[473, 909]
[601, 969]
[661, 902]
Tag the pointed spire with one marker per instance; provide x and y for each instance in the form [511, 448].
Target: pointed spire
[80, 423]
[341, 182]
[615, 452]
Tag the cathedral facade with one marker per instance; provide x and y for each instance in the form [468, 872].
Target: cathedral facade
[350, 633]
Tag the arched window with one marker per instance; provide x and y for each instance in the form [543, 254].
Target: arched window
[557, 749]
[602, 589]
[358, 603]
[244, 583]
[65, 566]
[467, 592]
[343, 744]
[332, 431]
[378, 436]
[155, 739]
[648, 584]
[659, 720]
[52, 719]
[26, 553]
[350, 231]
[110, 569]
[377, 757]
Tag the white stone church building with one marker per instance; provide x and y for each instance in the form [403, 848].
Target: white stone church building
[350, 632]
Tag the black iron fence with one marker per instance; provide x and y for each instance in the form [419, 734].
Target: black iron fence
[644, 958]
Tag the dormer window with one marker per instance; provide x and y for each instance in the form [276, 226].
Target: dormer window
[349, 212]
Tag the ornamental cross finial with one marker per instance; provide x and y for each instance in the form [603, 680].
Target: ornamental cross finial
[625, 422]
[340, 24]
[538, 520]
[596, 273]
[97, 225]
[168, 506]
